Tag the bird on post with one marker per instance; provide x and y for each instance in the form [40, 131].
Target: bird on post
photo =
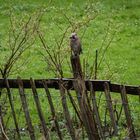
[75, 44]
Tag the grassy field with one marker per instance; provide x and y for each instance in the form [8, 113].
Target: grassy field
[122, 57]
[116, 27]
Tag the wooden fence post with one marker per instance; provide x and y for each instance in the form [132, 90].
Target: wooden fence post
[110, 107]
[66, 111]
[79, 85]
[12, 107]
[127, 113]
[52, 110]
[95, 110]
[40, 113]
[25, 109]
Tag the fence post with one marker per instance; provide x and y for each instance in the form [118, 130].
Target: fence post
[85, 110]
[12, 108]
[25, 109]
[40, 113]
[95, 109]
[66, 111]
[110, 107]
[127, 113]
[52, 109]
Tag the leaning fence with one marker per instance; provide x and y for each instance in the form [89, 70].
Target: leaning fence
[62, 108]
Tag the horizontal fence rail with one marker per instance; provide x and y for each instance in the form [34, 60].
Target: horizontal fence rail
[54, 83]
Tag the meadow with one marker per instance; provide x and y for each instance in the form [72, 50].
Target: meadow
[111, 27]
[123, 55]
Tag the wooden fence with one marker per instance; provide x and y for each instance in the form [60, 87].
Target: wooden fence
[85, 106]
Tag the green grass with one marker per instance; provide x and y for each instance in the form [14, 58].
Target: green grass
[121, 62]
[123, 54]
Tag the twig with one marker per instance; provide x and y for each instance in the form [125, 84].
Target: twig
[3, 131]
[96, 63]
[1, 126]
[106, 50]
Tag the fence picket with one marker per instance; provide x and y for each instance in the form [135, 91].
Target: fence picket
[40, 113]
[110, 107]
[52, 109]
[25, 109]
[95, 110]
[66, 111]
[12, 108]
[127, 113]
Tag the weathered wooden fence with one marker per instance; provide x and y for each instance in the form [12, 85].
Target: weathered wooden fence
[85, 107]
